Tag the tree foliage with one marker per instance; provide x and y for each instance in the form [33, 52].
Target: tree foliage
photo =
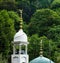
[8, 5]
[38, 24]
[54, 33]
[28, 10]
[49, 47]
[41, 3]
[55, 4]
[7, 30]
[34, 46]
[42, 20]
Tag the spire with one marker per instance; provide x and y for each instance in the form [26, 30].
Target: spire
[41, 49]
[21, 19]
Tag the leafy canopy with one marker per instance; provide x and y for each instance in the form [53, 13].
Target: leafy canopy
[7, 30]
[42, 20]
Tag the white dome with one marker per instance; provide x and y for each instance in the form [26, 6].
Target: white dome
[20, 36]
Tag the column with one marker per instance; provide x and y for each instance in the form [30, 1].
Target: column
[14, 49]
[26, 49]
[19, 48]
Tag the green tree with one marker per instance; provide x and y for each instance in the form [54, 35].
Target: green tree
[7, 30]
[28, 10]
[8, 5]
[42, 20]
[41, 3]
[54, 33]
[49, 47]
[57, 57]
[34, 46]
[55, 4]
[16, 18]
[57, 10]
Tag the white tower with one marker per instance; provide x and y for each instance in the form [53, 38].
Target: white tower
[20, 41]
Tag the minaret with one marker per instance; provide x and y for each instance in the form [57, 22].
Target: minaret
[20, 41]
[41, 49]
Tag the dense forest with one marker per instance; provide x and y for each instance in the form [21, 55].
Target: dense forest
[41, 20]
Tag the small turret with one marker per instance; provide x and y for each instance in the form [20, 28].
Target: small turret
[20, 40]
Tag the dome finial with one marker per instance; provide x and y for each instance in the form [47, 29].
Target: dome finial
[41, 49]
[21, 20]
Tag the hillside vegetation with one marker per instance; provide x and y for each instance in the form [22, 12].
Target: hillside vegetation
[41, 21]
